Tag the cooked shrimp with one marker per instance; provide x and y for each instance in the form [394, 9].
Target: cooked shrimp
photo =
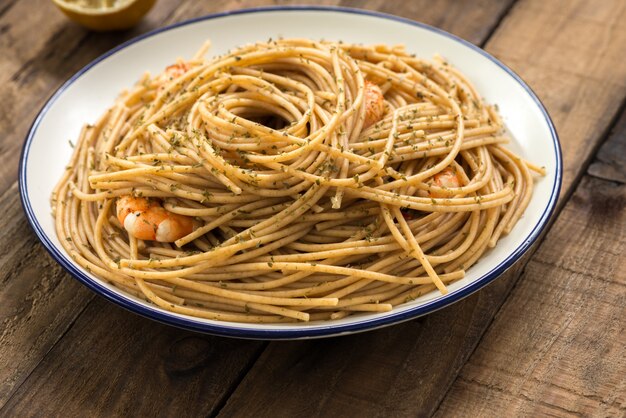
[446, 179]
[172, 72]
[374, 105]
[176, 70]
[147, 220]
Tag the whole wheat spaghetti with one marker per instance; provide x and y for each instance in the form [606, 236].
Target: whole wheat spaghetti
[291, 180]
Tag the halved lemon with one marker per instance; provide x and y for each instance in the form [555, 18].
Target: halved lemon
[104, 15]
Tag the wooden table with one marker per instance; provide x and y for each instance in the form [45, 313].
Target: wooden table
[547, 338]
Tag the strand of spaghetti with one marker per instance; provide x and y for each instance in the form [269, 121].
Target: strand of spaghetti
[221, 220]
[277, 310]
[321, 268]
[417, 251]
[519, 195]
[229, 294]
[295, 277]
[460, 204]
[528, 186]
[201, 313]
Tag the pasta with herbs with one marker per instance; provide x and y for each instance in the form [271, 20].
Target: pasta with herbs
[291, 180]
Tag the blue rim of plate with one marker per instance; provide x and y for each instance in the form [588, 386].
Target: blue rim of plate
[231, 329]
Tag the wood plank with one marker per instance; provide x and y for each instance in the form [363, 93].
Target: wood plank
[582, 103]
[558, 347]
[37, 299]
[128, 365]
[19, 335]
[609, 162]
[473, 21]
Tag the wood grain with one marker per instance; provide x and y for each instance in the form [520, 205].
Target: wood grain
[37, 301]
[559, 346]
[473, 21]
[581, 127]
[127, 366]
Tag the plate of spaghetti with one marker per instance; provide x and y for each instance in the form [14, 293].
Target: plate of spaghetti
[295, 172]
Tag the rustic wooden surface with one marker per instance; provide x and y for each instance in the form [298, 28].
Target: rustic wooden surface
[548, 338]
[557, 345]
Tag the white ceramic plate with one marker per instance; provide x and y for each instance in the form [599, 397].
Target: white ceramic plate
[92, 90]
